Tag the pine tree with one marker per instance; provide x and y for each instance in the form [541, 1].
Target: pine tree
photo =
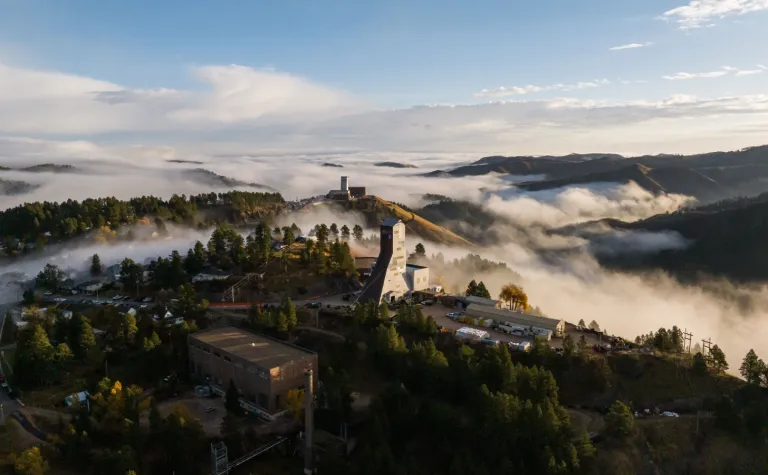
[96, 267]
[290, 313]
[482, 291]
[717, 358]
[80, 338]
[568, 345]
[619, 422]
[384, 312]
[357, 232]
[471, 288]
[281, 323]
[752, 368]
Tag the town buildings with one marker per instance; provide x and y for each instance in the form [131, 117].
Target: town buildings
[263, 369]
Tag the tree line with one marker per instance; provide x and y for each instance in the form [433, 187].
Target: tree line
[40, 221]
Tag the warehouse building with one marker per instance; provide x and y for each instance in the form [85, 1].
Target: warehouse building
[264, 369]
[501, 316]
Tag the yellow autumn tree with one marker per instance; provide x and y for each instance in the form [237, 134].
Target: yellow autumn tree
[294, 401]
[30, 462]
[105, 235]
[115, 406]
[515, 297]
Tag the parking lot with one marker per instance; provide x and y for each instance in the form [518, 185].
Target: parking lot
[439, 312]
[198, 408]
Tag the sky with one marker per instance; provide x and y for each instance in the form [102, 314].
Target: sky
[486, 77]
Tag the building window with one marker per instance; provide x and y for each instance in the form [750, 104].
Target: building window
[207, 350]
[227, 358]
[216, 354]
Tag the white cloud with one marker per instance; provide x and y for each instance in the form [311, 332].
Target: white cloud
[683, 75]
[247, 111]
[700, 13]
[531, 89]
[49, 102]
[723, 71]
[630, 46]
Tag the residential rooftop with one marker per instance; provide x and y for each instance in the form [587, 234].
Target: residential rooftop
[260, 350]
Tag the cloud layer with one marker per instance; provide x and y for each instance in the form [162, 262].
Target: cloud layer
[699, 13]
[246, 111]
[630, 46]
[723, 71]
[531, 89]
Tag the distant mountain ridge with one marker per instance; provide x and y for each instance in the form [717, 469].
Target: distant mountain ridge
[44, 168]
[209, 178]
[727, 239]
[707, 176]
[394, 165]
[15, 187]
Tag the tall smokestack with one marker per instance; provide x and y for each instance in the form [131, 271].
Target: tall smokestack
[309, 423]
[344, 183]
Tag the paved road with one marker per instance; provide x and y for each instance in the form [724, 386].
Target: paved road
[9, 405]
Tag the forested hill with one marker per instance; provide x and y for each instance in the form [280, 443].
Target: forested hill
[728, 239]
[46, 221]
[707, 176]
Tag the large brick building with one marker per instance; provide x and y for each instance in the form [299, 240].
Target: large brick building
[264, 369]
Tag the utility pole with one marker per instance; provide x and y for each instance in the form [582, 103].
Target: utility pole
[687, 338]
[309, 424]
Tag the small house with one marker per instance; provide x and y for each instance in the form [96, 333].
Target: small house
[81, 398]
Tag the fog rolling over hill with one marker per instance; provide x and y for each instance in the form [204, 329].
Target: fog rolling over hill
[513, 225]
[707, 177]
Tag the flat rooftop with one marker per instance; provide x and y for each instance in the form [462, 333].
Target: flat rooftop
[258, 349]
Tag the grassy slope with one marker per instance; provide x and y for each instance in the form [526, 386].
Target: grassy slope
[376, 209]
[421, 227]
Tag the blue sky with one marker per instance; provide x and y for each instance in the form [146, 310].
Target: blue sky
[386, 55]
[396, 52]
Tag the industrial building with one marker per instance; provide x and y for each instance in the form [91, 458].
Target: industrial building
[462, 302]
[392, 278]
[264, 369]
[346, 192]
[341, 194]
[523, 320]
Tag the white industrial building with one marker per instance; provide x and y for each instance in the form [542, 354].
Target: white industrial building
[472, 334]
[392, 278]
[556, 327]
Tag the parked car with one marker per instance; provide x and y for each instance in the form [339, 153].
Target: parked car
[4, 386]
[210, 409]
[670, 414]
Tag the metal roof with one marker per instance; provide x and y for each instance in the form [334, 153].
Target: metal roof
[261, 350]
[470, 299]
[524, 319]
[391, 222]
